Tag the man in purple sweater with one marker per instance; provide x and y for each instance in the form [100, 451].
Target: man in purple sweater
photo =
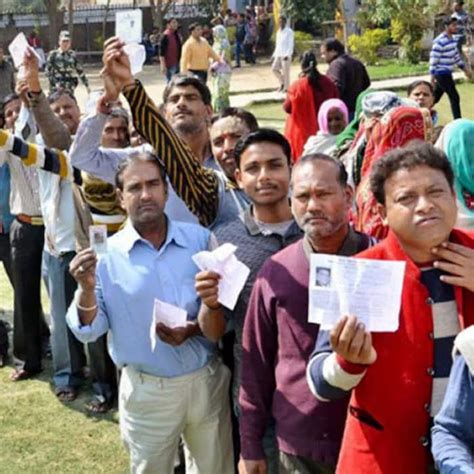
[278, 339]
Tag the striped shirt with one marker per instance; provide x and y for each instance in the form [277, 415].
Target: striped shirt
[196, 185]
[24, 193]
[444, 55]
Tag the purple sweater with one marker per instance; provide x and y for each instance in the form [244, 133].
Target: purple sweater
[277, 344]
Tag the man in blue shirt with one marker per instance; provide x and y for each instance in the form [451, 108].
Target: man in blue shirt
[453, 431]
[178, 387]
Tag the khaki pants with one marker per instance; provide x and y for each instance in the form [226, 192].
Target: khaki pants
[281, 69]
[156, 411]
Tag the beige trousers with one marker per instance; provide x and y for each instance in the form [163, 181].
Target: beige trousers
[156, 411]
[281, 69]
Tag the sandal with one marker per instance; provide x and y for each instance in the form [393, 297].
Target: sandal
[66, 394]
[20, 374]
[98, 405]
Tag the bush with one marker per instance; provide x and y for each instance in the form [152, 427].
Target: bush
[303, 42]
[366, 45]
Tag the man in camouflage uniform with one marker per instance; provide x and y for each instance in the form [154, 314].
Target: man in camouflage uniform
[62, 67]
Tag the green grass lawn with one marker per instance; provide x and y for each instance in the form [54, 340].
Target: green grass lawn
[390, 68]
[38, 434]
[272, 114]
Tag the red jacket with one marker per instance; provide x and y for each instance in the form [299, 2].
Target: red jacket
[388, 420]
[303, 104]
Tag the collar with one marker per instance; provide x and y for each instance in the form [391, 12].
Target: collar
[348, 248]
[253, 229]
[129, 237]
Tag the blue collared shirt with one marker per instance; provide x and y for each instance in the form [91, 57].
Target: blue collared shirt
[6, 217]
[129, 278]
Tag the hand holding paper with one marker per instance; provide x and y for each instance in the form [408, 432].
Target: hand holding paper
[350, 340]
[368, 289]
[233, 273]
[166, 314]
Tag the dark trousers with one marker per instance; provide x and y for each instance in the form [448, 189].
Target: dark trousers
[102, 369]
[249, 54]
[5, 255]
[28, 323]
[445, 83]
[201, 75]
[238, 52]
[291, 464]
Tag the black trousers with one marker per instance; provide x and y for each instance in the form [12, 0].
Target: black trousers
[445, 83]
[201, 75]
[5, 255]
[28, 322]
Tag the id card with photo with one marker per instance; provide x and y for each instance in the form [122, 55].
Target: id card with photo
[98, 238]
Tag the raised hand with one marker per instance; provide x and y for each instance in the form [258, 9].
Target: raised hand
[350, 340]
[82, 268]
[31, 70]
[117, 63]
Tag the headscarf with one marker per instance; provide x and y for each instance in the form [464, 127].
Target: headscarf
[376, 104]
[221, 41]
[349, 133]
[398, 127]
[324, 110]
[457, 141]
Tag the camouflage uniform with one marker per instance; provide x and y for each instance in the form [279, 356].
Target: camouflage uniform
[61, 70]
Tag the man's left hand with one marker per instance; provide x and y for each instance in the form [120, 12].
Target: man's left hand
[458, 261]
[176, 336]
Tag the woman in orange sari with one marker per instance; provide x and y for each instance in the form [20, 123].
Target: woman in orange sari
[396, 129]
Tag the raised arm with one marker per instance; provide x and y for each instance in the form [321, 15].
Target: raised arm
[54, 161]
[196, 185]
[52, 129]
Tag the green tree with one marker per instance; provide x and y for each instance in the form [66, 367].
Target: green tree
[317, 10]
[408, 18]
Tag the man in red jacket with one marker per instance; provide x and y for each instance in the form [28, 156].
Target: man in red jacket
[398, 379]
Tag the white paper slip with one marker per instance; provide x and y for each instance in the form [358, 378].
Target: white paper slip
[371, 290]
[128, 25]
[18, 48]
[233, 272]
[98, 238]
[168, 314]
[137, 55]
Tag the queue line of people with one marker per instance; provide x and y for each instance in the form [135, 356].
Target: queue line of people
[302, 400]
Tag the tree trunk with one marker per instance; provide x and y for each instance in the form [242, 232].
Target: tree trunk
[159, 8]
[104, 22]
[54, 22]
[70, 10]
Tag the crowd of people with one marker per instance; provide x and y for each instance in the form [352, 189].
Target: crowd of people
[257, 389]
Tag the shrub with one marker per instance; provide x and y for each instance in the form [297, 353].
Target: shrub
[302, 41]
[366, 45]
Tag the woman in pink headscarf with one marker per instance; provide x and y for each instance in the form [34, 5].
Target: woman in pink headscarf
[333, 117]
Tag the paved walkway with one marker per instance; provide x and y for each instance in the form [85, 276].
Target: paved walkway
[250, 84]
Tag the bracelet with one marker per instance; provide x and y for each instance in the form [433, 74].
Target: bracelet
[83, 308]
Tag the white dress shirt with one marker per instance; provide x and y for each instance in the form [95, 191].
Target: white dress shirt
[284, 43]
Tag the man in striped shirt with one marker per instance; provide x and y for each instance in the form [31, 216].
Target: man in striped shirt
[444, 57]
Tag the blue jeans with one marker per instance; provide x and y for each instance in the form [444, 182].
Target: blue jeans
[238, 51]
[171, 71]
[68, 352]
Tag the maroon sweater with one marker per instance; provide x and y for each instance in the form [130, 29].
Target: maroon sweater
[277, 344]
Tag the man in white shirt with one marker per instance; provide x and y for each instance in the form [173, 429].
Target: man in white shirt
[282, 55]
